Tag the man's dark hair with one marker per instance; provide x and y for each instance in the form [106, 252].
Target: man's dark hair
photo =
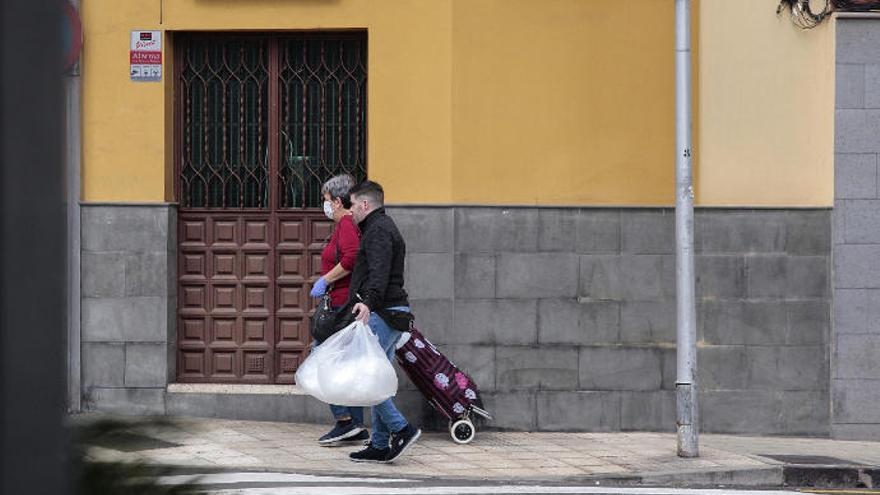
[370, 190]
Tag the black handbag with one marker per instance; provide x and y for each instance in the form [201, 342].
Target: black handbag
[327, 321]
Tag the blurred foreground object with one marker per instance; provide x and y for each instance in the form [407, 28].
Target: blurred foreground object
[95, 477]
[32, 254]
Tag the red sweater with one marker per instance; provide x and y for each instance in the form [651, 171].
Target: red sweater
[347, 236]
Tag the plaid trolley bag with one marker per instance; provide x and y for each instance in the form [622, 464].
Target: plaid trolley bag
[449, 390]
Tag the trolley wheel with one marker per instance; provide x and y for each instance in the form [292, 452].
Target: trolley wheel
[462, 431]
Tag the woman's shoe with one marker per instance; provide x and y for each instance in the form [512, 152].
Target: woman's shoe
[344, 431]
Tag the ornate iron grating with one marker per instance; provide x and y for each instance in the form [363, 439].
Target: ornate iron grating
[243, 95]
[323, 116]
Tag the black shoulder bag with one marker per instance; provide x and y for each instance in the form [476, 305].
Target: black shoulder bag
[401, 321]
[326, 321]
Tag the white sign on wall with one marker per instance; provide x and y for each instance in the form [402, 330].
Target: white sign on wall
[146, 56]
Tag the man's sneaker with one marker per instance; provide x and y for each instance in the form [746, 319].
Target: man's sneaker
[343, 431]
[370, 454]
[402, 441]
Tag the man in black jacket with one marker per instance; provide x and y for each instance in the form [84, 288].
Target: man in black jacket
[377, 283]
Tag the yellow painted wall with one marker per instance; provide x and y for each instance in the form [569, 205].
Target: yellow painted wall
[766, 108]
[563, 102]
[125, 124]
[474, 101]
[551, 102]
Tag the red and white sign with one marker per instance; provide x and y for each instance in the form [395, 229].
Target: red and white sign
[146, 55]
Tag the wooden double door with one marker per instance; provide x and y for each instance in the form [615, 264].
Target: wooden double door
[261, 122]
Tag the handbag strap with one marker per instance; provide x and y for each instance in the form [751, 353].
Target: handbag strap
[338, 256]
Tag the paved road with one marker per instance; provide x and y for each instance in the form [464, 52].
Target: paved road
[278, 483]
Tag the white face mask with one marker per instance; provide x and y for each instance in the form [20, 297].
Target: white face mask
[328, 209]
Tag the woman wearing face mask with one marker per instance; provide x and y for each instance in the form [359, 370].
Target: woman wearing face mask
[337, 261]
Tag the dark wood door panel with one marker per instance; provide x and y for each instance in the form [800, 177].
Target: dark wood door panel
[244, 304]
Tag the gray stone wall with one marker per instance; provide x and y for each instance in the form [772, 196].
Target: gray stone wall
[856, 344]
[566, 317]
[128, 306]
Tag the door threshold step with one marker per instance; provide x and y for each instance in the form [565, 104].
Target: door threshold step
[233, 389]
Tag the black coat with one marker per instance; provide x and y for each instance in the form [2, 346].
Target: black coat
[377, 277]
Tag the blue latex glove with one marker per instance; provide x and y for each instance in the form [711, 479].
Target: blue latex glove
[319, 288]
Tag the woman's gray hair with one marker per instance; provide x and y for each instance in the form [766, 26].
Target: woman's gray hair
[338, 186]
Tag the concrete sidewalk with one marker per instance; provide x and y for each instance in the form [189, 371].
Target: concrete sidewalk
[603, 458]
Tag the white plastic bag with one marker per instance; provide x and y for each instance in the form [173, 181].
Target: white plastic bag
[348, 369]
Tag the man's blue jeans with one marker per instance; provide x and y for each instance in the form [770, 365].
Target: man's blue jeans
[386, 417]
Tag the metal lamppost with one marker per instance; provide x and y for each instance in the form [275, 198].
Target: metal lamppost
[686, 413]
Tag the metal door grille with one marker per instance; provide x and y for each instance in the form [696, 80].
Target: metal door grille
[225, 88]
[323, 116]
[262, 122]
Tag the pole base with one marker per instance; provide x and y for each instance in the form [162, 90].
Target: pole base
[687, 420]
[688, 446]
